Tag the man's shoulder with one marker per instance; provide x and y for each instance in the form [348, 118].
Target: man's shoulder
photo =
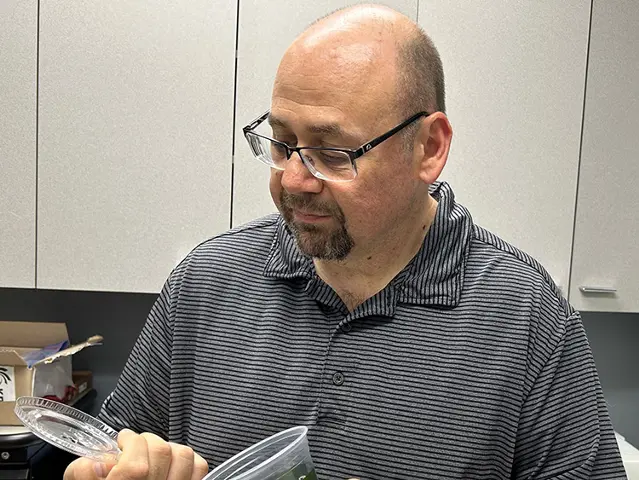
[246, 244]
[514, 288]
[506, 264]
[259, 230]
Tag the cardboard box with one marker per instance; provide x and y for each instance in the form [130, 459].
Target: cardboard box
[83, 381]
[48, 376]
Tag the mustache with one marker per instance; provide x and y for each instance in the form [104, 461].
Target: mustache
[309, 204]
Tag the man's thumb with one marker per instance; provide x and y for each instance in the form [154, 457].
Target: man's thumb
[86, 469]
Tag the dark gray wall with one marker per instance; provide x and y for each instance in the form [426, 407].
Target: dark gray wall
[119, 318]
[613, 338]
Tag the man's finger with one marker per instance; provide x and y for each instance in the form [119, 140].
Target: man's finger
[182, 462]
[86, 469]
[200, 468]
[160, 457]
[134, 461]
[80, 468]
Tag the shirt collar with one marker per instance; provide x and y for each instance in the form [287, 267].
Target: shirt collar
[433, 277]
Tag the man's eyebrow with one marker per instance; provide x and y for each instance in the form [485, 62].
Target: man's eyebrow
[327, 129]
[276, 122]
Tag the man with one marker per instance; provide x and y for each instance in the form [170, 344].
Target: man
[413, 343]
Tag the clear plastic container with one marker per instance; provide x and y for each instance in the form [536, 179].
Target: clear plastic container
[284, 456]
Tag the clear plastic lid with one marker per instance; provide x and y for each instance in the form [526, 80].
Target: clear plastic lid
[68, 428]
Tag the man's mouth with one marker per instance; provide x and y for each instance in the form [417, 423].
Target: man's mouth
[305, 216]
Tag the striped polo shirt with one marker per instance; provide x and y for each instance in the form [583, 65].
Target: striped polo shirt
[468, 365]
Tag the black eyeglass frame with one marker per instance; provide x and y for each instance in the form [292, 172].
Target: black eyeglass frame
[353, 154]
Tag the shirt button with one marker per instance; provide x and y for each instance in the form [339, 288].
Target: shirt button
[347, 327]
[338, 378]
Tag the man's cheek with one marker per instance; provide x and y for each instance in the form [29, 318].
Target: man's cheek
[275, 186]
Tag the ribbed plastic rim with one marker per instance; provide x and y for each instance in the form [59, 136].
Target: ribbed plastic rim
[79, 420]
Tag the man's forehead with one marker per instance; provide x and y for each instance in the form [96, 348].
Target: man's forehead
[317, 126]
[348, 66]
[324, 109]
[331, 128]
[344, 89]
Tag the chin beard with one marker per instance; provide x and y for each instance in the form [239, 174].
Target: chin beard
[321, 243]
[324, 243]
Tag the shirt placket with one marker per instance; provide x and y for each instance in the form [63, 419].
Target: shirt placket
[340, 370]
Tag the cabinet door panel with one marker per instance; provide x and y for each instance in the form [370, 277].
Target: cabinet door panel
[136, 109]
[515, 75]
[606, 249]
[18, 50]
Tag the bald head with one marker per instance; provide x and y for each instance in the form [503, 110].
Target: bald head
[374, 19]
[368, 45]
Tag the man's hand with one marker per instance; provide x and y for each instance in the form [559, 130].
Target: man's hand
[144, 457]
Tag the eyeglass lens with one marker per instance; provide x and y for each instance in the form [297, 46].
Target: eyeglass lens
[326, 164]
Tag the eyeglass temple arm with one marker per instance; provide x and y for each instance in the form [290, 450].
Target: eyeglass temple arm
[254, 124]
[373, 143]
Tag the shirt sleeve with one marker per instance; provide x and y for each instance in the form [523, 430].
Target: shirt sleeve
[140, 400]
[564, 431]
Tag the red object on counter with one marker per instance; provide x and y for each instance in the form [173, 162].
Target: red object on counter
[70, 392]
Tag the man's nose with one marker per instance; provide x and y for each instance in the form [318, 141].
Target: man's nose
[297, 178]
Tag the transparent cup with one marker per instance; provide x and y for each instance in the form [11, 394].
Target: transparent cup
[284, 456]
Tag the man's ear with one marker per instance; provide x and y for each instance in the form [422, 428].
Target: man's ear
[432, 144]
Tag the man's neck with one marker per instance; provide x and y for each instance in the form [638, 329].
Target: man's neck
[366, 272]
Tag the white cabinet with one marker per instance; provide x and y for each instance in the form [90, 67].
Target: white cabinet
[606, 247]
[515, 82]
[18, 47]
[265, 31]
[136, 119]
[135, 115]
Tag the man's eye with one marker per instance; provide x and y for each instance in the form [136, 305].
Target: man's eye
[333, 159]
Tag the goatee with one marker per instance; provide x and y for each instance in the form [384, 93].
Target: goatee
[324, 243]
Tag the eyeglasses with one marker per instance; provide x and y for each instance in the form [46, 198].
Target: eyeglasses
[325, 163]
